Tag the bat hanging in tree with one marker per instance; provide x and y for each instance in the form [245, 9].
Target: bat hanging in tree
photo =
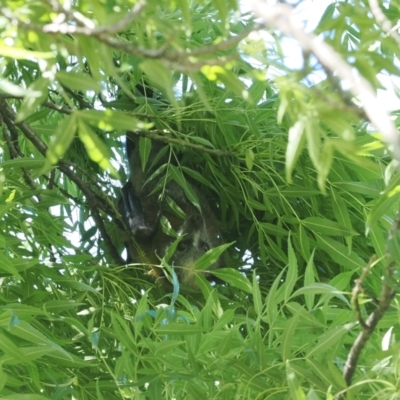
[146, 199]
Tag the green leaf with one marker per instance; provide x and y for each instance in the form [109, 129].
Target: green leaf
[36, 94]
[326, 227]
[340, 253]
[211, 256]
[258, 304]
[96, 149]
[309, 279]
[78, 81]
[295, 390]
[386, 203]
[110, 120]
[367, 189]
[6, 265]
[320, 288]
[341, 213]
[287, 337]
[329, 339]
[144, 151]
[178, 177]
[292, 274]
[393, 245]
[325, 163]
[249, 159]
[234, 278]
[179, 329]
[160, 77]
[24, 162]
[62, 139]
[220, 74]
[304, 243]
[296, 142]
[272, 301]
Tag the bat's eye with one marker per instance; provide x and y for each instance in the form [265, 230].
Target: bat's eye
[204, 246]
[183, 245]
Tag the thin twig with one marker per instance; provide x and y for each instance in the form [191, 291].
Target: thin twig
[383, 21]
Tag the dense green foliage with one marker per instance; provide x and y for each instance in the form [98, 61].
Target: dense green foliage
[304, 187]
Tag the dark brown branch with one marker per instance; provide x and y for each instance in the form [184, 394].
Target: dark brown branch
[94, 201]
[14, 149]
[368, 326]
[56, 107]
[85, 27]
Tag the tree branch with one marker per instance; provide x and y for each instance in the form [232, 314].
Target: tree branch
[368, 326]
[383, 21]
[94, 201]
[78, 24]
[281, 17]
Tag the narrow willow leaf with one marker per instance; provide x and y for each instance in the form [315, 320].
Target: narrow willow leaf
[110, 120]
[78, 81]
[161, 77]
[307, 319]
[23, 54]
[377, 240]
[325, 163]
[287, 337]
[96, 149]
[297, 191]
[26, 331]
[249, 159]
[178, 177]
[340, 209]
[292, 273]
[339, 253]
[341, 214]
[296, 141]
[6, 265]
[386, 203]
[367, 189]
[295, 390]
[327, 340]
[393, 245]
[211, 256]
[304, 243]
[313, 135]
[25, 162]
[175, 328]
[326, 227]
[144, 151]
[257, 301]
[271, 301]
[123, 332]
[11, 350]
[272, 229]
[234, 278]
[62, 139]
[320, 288]
[309, 279]
[228, 78]
[29, 354]
[10, 88]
